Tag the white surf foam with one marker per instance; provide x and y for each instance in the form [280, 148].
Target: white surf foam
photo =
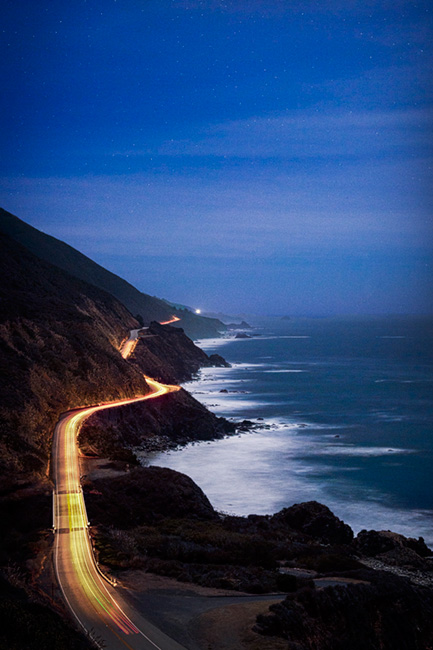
[352, 450]
[283, 371]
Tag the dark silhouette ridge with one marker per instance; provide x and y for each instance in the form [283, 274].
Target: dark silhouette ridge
[148, 308]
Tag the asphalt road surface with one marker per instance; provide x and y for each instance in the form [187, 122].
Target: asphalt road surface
[92, 598]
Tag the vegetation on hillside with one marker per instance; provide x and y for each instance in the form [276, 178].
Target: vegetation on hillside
[58, 349]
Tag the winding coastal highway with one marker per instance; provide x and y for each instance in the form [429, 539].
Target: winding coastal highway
[92, 597]
[128, 346]
[173, 319]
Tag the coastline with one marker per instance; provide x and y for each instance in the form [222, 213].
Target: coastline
[297, 551]
[248, 485]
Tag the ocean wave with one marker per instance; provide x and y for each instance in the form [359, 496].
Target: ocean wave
[391, 337]
[247, 366]
[224, 403]
[389, 417]
[290, 458]
[205, 344]
[359, 451]
[403, 381]
[283, 371]
[253, 484]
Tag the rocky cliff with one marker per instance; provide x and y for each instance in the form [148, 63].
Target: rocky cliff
[173, 419]
[59, 341]
[168, 355]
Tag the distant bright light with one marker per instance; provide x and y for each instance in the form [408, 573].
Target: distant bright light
[198, 311]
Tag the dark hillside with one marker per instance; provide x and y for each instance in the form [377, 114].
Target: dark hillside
[165, 353]
[171, 420]
[168, 355]
[67, 258]
[58, 349]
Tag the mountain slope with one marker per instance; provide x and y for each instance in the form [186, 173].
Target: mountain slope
[67, 258]
[59, 341]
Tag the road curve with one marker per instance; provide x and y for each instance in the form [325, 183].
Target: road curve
[173, 319]
[128, 346]
[94, 601]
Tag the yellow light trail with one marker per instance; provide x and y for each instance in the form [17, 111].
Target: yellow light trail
[173, 319]
[128, 346]
[85, 591]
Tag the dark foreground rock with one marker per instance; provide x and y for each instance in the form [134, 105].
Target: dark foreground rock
[159, 520]
[392, 548]
[316, 520]
[146, 495]
[382, 612]
[29, 624]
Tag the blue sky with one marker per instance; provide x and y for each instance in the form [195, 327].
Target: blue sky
[260, 156]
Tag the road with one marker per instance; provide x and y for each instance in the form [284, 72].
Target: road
[128, 346]
[95, 603]
[173, 319]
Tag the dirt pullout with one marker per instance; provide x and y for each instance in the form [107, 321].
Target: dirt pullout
[199, 617]
[94, 467]
[230, 628]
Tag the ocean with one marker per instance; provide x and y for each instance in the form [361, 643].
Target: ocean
[344, 409]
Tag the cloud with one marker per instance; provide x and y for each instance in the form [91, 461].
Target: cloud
[235, 212]
[311, 134]
[379, 88]
[309, 7]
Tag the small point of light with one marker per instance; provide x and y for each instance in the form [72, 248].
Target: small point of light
[198, 311]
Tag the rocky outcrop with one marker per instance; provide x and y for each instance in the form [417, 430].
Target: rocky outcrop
[374, 543]
[239, 326]
[146, 495]
[217, 361]
[316, 520]
[173, 419]
[394, 549]
[388, 605]
[380, 611]
[167, 354]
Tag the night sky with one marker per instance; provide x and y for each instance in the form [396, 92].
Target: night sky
[262, 156]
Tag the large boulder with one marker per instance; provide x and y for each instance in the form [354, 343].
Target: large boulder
[392, 548]
[379, 611]
[315, 519]
[146, 495]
